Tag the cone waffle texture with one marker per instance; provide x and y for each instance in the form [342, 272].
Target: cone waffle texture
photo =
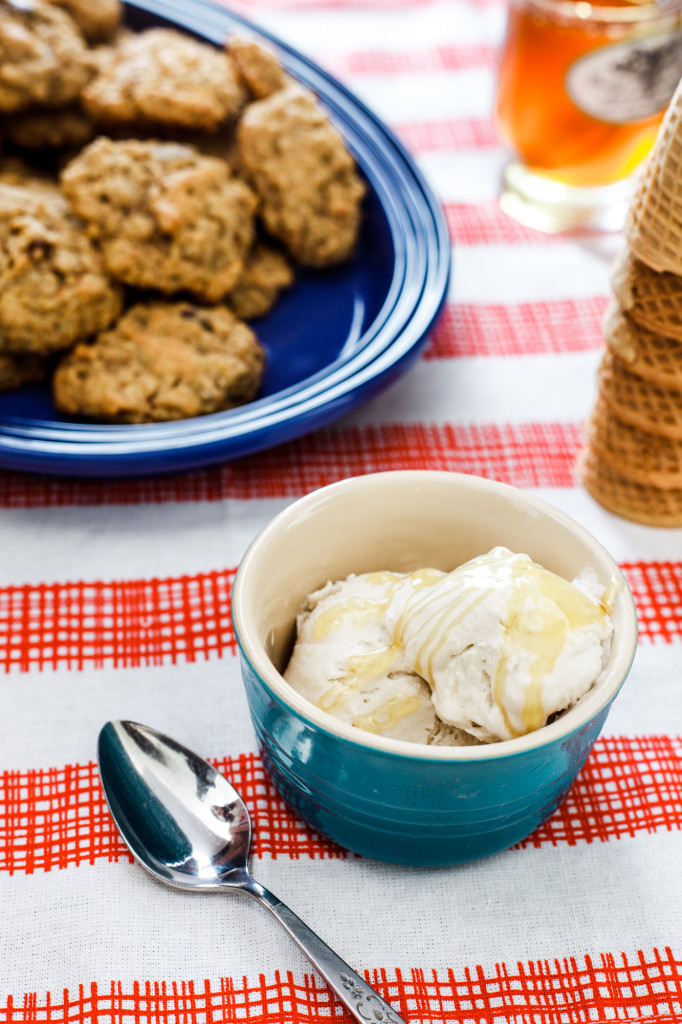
[639, 402]
[652, 299]
[640, 456]
[646, 354]
[642, 503]
[653, 226]
[632, 464]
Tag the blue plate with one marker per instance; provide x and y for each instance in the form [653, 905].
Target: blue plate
[334, 340]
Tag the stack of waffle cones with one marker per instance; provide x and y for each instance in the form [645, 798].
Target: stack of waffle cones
[632, 464]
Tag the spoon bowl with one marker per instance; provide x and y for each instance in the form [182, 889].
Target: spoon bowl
[180, 818]
[188, 826]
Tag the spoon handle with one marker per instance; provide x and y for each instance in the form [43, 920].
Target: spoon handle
[357, 996]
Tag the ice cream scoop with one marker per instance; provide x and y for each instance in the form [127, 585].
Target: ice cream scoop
[503, 643]
[487, 652]
[346, 663]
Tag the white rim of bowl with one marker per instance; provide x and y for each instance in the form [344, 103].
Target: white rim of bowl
[594, 701]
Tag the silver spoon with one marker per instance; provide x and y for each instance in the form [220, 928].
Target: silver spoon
[188, 826]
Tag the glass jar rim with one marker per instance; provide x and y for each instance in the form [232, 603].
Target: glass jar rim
[584, 12]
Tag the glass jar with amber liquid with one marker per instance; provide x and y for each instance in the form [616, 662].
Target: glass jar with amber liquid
[582, 88]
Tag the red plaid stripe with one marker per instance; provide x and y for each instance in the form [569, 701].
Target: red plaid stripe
[527, 328]
[486, 224]
[57, 817]
[657, 589]
[120, 624]
[386, 62]
[568, 991]
[525, 455]
[132, 623]
[451, 134]
[627, 786]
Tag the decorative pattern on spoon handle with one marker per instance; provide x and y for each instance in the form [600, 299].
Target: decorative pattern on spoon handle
[369, 1000]
[364, 1003]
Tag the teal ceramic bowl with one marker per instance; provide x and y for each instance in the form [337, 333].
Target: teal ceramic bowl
[387, 799]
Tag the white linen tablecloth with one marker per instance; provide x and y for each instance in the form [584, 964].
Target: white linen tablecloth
[115, 603]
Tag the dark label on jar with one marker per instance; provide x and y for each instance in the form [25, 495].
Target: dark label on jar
[627, 82]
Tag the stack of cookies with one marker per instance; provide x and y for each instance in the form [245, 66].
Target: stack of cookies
[632, 464]
[156, 192]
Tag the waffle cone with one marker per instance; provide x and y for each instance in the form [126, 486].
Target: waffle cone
[651, 299]
[641, 503]
[641, 457]
[653, 225]
[648, 355]
[639, 402]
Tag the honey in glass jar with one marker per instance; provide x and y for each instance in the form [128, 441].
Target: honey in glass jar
[582, 88]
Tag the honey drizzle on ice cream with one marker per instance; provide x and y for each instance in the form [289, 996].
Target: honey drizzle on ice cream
[543, 609]
[375, 663]
[541, 612]
[357, 609]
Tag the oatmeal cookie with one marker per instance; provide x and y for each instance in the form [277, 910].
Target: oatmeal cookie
[38, 129]
[97, 19]
[163, 77]
[53, 286]
[16, 370]
[42, 56]
[166, 217]
[258, 68]
[305, 177]
[163, 361]
[266, 273]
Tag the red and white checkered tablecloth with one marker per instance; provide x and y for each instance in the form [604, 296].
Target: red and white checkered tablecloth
[115, 603]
